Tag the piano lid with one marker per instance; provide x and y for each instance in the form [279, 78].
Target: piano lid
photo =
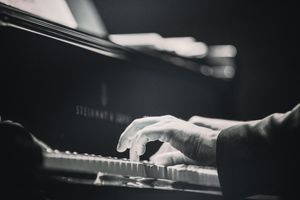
[54, 10]
[29, 21]
[15, 18]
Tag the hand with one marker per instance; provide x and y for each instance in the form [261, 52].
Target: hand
[23, 155]
[196, 143]
[25, 133]
[167, 155]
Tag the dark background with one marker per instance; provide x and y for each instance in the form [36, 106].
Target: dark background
[264, 33]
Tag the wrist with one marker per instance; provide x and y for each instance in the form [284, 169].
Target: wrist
[206, 148]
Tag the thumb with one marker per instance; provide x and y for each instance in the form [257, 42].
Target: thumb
[172, 158]
[164, 148]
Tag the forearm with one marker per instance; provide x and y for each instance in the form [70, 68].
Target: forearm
[257, 157]
[206, 148]
[216, 124]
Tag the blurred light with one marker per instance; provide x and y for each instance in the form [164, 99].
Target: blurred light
[223, 72]
[185, 46]
[137, 39]
[182, 46]
[222, 51]
[206, 70]
[229, 71]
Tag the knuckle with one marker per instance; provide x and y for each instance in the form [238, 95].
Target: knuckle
[194, 119]
[136, 122]
[169, 117]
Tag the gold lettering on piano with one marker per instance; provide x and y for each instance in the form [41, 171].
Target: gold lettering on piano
[103, 115]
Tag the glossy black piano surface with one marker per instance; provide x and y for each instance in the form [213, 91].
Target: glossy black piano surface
[78, 92]
[80, 100]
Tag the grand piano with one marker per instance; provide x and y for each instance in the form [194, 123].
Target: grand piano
[76, 91]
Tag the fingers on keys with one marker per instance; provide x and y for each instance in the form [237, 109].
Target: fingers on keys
[141, 131]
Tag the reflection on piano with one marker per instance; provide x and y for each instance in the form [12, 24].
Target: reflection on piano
[85, 163]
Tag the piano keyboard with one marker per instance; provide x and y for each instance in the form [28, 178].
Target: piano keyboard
[90, 163]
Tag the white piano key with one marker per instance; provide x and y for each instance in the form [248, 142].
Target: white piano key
[134, 169]
[141, 170]
[161, 172]
[91, 163]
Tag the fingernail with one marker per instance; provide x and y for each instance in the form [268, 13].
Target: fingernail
[120, 148]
